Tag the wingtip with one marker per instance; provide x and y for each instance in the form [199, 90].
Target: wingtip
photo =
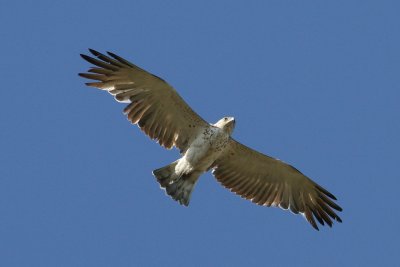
[326, 192]
[110, 53]
[86, 57]
[94, 52]
[94, 84]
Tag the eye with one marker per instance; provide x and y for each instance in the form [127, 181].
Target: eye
[225, 118]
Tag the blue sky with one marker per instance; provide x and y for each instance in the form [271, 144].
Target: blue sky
[314, 83]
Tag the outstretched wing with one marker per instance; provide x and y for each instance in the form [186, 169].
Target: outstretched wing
[270, 182]
[153, 104]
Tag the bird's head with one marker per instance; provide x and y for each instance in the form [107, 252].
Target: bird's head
[226, 123]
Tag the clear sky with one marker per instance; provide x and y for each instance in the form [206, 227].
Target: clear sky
[314, 83]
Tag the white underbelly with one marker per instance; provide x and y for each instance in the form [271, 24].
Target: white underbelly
[201, 153]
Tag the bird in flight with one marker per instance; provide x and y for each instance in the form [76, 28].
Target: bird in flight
[164, 116]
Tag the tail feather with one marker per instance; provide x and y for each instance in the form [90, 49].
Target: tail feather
[178, 187]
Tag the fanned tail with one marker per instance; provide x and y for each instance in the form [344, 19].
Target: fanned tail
[178, 187]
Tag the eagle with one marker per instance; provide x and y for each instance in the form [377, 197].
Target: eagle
[161, 113]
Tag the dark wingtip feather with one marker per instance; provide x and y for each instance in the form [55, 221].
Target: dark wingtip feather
[94, 52]
[331, 196]
[309, 216]
[326, 192]
[122, 60]
[319, 219]
[95, 84]
[112, 54]
[85, 57]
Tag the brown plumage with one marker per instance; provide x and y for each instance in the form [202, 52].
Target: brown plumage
[164, 116]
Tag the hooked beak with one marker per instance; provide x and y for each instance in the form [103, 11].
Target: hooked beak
[232, 122]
